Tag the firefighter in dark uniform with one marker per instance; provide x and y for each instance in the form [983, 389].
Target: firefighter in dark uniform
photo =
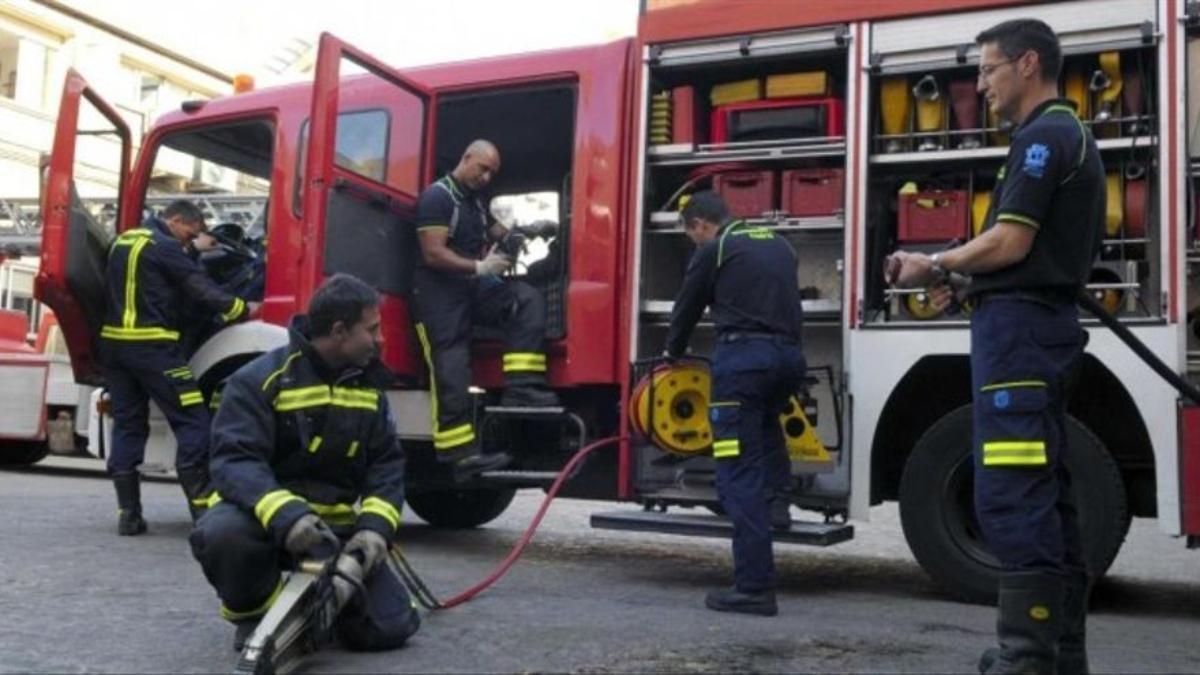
[1027, 268]
[151, 277]
[302, 435]
[457, 285]
[747, 275]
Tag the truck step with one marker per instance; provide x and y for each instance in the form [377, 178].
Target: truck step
[520, 478]
[695, 525]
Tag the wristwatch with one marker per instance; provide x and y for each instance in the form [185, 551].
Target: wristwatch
[939, 272]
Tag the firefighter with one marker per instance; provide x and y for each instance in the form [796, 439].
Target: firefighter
[1027, 269]
[151, 278]
[457, 285]
[302, 434]
[748, 277]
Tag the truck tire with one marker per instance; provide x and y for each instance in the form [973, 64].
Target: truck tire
[461, 509]
[23, 453]
[937, 509]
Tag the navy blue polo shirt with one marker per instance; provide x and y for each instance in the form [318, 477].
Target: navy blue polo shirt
[437, 207]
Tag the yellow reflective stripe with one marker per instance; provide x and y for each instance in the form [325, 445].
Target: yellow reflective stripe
[1018, 218]
[434, 226]
[271, 378]
[129, 319]
[136, 334]
[214, 401]
[382, 508]
[353, 449]
[230, 615]
[1014, 453]
[235, 311]
[130, 237]
[524, 362]
[334, 514]
[729, 448]
[188, 398]
[270, 503]
[314, 444]
[348, 397]
[213, 499]
[1014, 384]
[426, 351]
[452, 438]
[183, 372]
[301, 397]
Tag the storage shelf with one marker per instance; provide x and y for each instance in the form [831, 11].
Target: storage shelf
[813, 309]
[998, 152]
[796, 148]
[783, 224]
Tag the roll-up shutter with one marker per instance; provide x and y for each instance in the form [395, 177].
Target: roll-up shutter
[930, 43]
[825, 38]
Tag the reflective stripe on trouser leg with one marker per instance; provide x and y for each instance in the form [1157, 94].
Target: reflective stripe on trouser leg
[1023, 355]
[239, 560]
[452, 431]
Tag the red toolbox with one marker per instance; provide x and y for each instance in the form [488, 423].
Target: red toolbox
[683, 116]
[812, 192]
[933, 216]
[749, 194]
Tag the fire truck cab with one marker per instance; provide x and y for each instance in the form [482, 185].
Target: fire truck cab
[850, 128]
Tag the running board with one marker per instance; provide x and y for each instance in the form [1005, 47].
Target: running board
[692, 525]
[519, 478]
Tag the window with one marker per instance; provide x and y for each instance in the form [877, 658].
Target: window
[23, 65]
[526, 209]
[362, 144]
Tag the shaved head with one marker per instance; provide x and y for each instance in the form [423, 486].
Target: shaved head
[479, 165]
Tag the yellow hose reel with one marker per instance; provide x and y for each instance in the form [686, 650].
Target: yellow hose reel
[803, 445]
[920, 306]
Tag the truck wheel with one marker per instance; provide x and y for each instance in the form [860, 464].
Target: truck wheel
[937, 508]
[23, 453]
[461, 509]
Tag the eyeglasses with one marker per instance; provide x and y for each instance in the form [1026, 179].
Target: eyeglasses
[986, 70]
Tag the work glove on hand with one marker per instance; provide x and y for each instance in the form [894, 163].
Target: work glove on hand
[494, 264]
[540, 228]
[348, 579]
[306, 534]
[371, 545]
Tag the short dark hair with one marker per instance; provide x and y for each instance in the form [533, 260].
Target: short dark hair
[1018, 36]
[187, 211]
[706, 205]
[342, 297]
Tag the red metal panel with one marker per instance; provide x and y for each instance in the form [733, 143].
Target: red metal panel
[51, 286]
[1189, 468]
[713, 18]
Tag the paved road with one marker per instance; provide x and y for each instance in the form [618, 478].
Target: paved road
[77, 598]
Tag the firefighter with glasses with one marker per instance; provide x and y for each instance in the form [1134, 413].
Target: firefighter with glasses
[1026, 270]
[305, 455]
[151, 278]
[458, 285]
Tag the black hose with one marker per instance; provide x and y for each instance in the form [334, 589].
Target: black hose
[1187, 389]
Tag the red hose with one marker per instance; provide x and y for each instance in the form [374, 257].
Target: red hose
[515, 553]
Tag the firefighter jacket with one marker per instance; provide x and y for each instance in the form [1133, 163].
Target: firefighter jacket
[292, 437]
[150, 276]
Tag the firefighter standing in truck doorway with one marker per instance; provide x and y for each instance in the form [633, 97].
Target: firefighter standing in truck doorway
[1027, 268]
[456, 285]
[748, 276]
[303, 433]
[150, 276]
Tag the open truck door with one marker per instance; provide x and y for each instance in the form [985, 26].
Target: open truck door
[84, 181]
[365, 164]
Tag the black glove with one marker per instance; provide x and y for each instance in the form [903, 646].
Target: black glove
[370, 545]
[512, 244]
[308, 533]
[540, 228]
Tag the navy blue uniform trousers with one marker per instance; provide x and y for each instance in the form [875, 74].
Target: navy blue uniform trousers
[753, 377]
[242, 562]
[137, 372]
[1025, 357]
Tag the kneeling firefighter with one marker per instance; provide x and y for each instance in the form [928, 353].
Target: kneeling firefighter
[302, 434]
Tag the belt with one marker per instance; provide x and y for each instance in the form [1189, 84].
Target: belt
[739, 335]
[1048, 298]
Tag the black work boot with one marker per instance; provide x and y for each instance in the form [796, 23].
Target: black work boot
[1028, 625]
[733, 600]
[197, 487]
[474, 464]
[1072, 645]
[242, 630]
[781, 513]
[527, 390]
[129, 503]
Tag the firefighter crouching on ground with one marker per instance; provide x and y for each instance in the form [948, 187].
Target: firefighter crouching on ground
[457, 285]
[1041, 235]
[302, 434]
[748, 276]
[150, 278]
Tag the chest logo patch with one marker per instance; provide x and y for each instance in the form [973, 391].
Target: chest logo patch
[1036, 157]
[1001, 399]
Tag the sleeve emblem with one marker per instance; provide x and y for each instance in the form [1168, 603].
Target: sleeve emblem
[1036, 157]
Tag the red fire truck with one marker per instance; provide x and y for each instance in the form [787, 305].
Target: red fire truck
[851, 128]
